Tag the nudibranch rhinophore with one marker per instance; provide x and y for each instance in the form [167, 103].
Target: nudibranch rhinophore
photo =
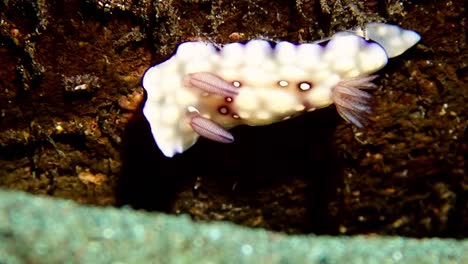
[204, 91]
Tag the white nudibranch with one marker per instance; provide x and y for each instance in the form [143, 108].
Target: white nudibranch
[203, 91]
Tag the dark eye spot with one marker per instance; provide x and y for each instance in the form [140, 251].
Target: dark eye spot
[223, 110]
[236, 84]
[304, 86]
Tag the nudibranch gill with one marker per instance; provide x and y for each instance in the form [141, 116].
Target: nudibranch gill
[205, 91]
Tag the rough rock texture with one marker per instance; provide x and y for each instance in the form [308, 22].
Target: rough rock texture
[71, 123]
[36, 229]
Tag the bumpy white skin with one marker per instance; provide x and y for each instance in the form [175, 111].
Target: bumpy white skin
[202, 91]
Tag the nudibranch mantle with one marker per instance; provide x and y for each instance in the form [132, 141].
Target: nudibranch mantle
[203, 91]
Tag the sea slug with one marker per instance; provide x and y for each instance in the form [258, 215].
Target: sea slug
[205, 91]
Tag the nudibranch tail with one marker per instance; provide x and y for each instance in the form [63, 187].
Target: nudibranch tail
[210, 83]
[210, 130]
[394, 39]
[352, 103]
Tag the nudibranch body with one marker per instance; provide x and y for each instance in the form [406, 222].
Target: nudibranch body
[203, 91]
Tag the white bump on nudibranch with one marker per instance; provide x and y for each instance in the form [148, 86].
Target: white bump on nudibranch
[189, 51]
[371, 59]
[255, 52]
[285, 52]
[279, 102]
[247, 100]
[170, 114]
[309, 57]
[201, 91]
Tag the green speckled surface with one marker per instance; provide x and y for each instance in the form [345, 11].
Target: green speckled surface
[43, 230]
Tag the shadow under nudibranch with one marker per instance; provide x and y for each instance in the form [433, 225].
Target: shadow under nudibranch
[297, 155]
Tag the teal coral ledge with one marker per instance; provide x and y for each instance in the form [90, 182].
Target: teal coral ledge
[46, 230]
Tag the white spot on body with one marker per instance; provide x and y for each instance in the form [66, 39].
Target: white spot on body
[283, 83]
[305, 86]
[236, 84]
